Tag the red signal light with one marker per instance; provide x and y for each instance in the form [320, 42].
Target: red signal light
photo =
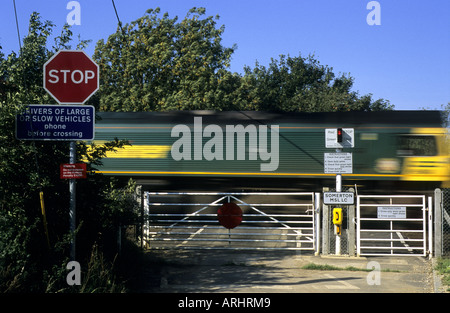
[339, 135]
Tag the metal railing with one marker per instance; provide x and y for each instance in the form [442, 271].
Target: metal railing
[270, 221]
[392, 225]
[442, 222]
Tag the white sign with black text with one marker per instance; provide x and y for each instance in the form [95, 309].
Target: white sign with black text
[338, 163]
[391, 212]
[348, 138]
[338, 198]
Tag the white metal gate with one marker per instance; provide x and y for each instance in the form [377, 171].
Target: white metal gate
[188, 220]
[393, 225]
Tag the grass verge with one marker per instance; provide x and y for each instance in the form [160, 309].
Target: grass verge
[443, 268]
[326, 267]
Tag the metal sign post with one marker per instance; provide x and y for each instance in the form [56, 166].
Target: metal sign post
[59, 123]
[73, 200]
[339, 163]
[71, 77]
[338, 189]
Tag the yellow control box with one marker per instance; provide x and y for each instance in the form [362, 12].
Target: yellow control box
[337, 216]
[338, 229]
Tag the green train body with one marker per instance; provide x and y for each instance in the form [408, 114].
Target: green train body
[388, 146]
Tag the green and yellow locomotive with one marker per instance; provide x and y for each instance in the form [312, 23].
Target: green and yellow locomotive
[405, 149]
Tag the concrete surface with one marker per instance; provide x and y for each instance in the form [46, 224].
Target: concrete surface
[218, 271]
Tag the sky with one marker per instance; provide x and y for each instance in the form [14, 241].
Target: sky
[405, 59]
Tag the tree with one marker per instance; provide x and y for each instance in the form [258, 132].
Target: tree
[161, 64]
[297, 84]
[30, 167]
[157, 64]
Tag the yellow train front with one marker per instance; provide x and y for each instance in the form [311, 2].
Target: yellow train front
[404, 150]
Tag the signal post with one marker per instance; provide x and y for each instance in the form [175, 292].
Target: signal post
[71, 78]
[338, 163]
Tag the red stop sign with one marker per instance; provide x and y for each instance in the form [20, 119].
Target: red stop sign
[71, 77]
[229, 215]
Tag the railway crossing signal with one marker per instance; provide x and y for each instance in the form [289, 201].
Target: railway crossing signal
[339, 135]
[339, 138]
[338, 163]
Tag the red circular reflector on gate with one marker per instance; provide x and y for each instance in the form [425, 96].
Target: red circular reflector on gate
[229, 215]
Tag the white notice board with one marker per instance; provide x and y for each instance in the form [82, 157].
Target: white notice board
[338, 163]
[392, 212]
[338, 198]
[348, 138]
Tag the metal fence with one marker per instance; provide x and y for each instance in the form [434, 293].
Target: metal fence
[331, 243]
[345, 243]
[392, 225]
[442, 222]
[446, 222]
[299, 221]
[189, 220]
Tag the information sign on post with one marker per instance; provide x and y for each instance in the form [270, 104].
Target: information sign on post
[331, 138]
[56, 123]
[73, 171]
[391, 212]
[338, 163]
[338, 198]
[71, 77]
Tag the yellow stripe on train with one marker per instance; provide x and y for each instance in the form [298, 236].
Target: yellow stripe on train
[139, 152]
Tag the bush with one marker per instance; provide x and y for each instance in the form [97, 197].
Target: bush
[27, 168]
[443, 268]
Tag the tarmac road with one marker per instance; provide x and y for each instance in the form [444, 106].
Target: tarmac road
[228, 271]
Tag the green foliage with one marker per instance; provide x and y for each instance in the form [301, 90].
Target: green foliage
[98, 276]
[24, 166]
[297, 84]
[160, 64]
[443, 268]
[29, 167]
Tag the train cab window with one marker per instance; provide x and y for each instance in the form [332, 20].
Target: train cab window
[410, 145]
